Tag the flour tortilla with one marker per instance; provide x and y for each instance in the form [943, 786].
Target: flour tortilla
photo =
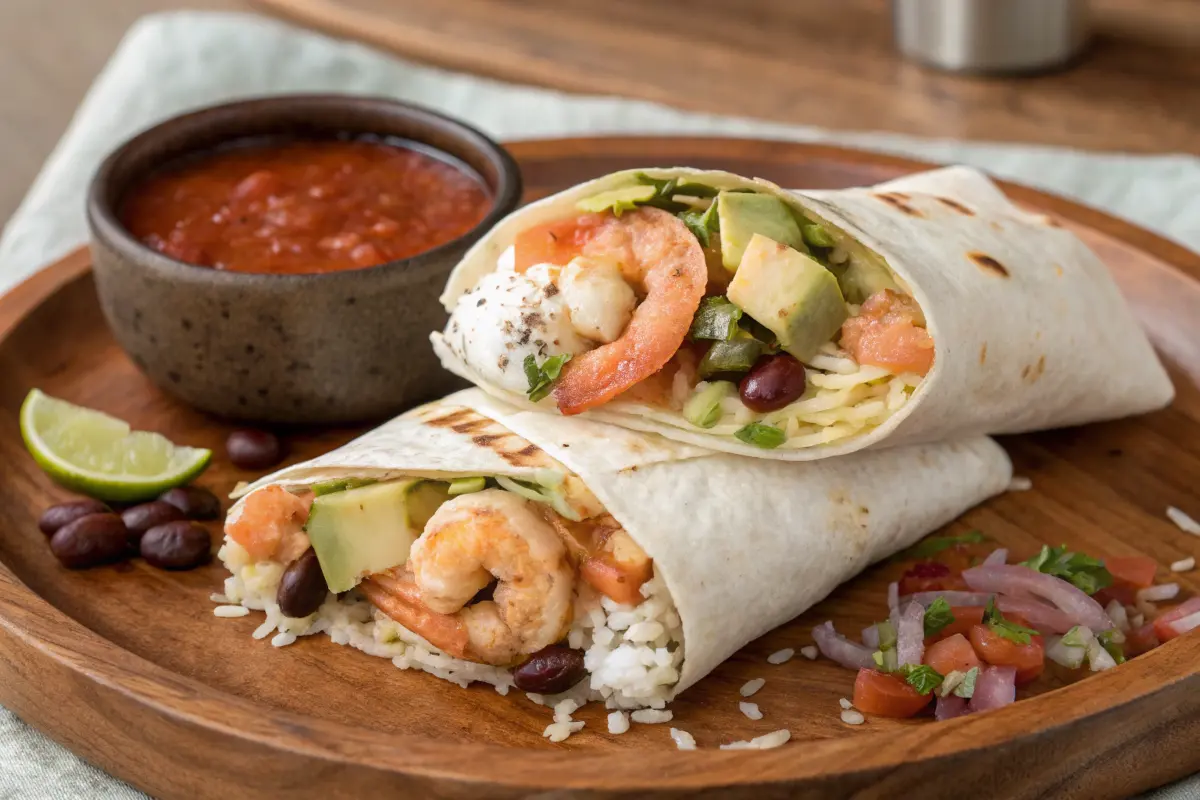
[1030, 330]
[743, 545]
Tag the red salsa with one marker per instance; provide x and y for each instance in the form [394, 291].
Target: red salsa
[305, 206]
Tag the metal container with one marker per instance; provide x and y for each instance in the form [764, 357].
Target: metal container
[991, 36]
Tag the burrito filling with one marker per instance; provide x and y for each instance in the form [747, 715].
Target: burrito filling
[525, 583]
[727, 311]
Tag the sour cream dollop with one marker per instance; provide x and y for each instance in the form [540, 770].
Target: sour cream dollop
[509, 316]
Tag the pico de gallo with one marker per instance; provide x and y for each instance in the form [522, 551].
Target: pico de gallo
[965, 631]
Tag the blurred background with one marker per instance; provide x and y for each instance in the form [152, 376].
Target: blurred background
[829, 63]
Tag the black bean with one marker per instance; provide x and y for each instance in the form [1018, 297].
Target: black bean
[139, 519]
[62, 514]
[251, 449]
[90, 541]
[302, 589]
[550, 670]
[193, 501]
[774, 382]
[177, 545]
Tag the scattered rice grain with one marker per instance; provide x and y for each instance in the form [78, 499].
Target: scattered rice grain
[750, 687]
[781, 656]
[1184, 564]
[649, 716]
[618, 722]
[765, 742]
[1163, 591]
[559, 731]
[219, 598]
[750, 710]
[1183, 521]
[810, 652]
[852, 717]
[846, 704]
[683, 740]
[283, 639]
[1019, 483]
[229, 612]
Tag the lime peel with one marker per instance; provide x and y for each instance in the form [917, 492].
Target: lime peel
[100, 456]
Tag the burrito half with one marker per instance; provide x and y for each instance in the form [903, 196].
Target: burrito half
[472, 540]
[728, 313]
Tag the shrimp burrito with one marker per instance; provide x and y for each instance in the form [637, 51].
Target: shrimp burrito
[728, 313]
[479, 542]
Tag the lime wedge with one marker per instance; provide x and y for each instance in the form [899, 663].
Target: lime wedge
[99, 455]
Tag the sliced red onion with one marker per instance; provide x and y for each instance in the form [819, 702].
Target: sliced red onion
[950, 706]
[1012, 579]
[893, 595]
[870, 637]
[910, 633]
[838, 648]
[995, 687]
[953, 598]
[1043, 618]
[997, 558]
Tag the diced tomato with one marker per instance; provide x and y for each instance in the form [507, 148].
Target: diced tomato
[886, 695]
[930, 576]
[1141, 640]
[1029, 659]
[965, 618]
[1136, 571]
[1162, 625]
[949, 655]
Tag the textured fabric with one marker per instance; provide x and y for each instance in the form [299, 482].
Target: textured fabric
[173, 62]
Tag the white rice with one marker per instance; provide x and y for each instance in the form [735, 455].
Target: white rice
[1020, 483]
[750, 710]
[766, 742]
[683, 740]
[632, 653]
[852, 717]
[750, 687]
[1184, 564]
[845, 704]
[781, 656]
[618, 722]
[810, 652]
[650, 716]
[1154, 594]
[1183, 521]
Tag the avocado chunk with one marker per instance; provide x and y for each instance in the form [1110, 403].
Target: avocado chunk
[743, 214]
[864, 276]
[358, 532]
[792, 295]
[619, 200]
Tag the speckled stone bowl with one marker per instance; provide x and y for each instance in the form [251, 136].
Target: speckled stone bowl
[342, 347]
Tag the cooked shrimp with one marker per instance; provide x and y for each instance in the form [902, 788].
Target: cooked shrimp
[271, 525]
[657, 254]
[889, 332]
[599, 301]
[468, 542]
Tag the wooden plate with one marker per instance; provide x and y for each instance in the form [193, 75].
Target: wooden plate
[128, 667]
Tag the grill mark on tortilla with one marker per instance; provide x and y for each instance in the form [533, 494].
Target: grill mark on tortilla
[489, 434]
[983, 354]
[954, 205]
[899, 201]
[988, 263]
[461, 420]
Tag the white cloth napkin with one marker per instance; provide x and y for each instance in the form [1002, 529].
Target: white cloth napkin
[174, 62]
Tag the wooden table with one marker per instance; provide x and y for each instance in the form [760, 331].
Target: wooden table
[816, 62]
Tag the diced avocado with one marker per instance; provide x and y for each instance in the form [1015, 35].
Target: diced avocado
[341, 485]
[743, 214]
[361, 531]
[790, 293]
[467, 486]
[619, 200]
[863, 277]
[703, 408]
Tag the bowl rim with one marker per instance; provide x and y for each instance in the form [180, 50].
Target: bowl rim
[105, 224]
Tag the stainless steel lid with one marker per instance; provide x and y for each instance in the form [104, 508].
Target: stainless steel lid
[991, 35]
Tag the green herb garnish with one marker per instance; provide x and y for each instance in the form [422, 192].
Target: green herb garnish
[342, 485]
[966, 689]
[921, 677]
[1114, 642]
[937, 616]
[715, 319]
[768, 437]
[541, 379]
[703, 224]
[931, 547]
[1084, 572]
[1006, 628]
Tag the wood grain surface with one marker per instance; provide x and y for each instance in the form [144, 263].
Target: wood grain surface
[128, 667]
[828, 63]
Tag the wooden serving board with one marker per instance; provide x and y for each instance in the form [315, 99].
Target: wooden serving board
[128, 667]
[829, 63]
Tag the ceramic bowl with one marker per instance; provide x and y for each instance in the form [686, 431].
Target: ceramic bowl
[340, 347]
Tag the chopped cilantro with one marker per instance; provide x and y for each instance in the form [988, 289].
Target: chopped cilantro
[921, 677]
[1084, 572]
[664, 192]
[703, 224]
[768, 437]
[541, 379]
[937, 616]
[931, 547]
[1006, 628]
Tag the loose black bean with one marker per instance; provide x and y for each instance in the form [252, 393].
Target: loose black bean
[774, 382]
[181, 544]
[302, 588]
[62, 514]
[251, 449]
[139, 519]
[90, 541]
[193, 501]
[550, 670]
